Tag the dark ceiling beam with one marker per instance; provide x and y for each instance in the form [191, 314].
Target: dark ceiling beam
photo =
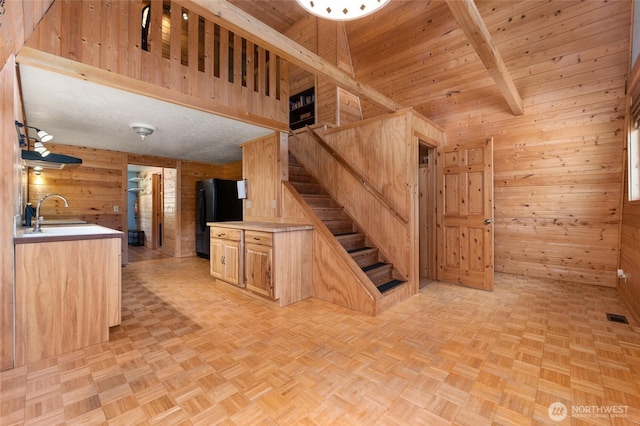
[245, 25]
[474, 28]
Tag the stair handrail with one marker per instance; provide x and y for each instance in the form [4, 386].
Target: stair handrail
[357, 175]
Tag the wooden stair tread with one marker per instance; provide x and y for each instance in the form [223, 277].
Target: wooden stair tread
[344, 234]
[359, 249]
[377, 265]
[317, 197]
[389, 285]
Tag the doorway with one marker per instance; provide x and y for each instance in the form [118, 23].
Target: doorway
[151, 212]
[427, 213]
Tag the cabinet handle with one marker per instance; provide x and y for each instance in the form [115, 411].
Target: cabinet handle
[222, 259]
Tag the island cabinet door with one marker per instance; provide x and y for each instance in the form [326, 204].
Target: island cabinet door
[217, 258]
[225, 261]
[232, 262]
[258, 263]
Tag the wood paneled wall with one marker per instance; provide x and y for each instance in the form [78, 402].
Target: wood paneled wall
[326, 92]
[94, 189]
[17, 24]
[171, 214]
[558, 168]
[100, 184]
[265, 165]
[10, 194]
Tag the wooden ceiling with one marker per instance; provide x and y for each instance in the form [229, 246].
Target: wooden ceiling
[392, 50]
[278, 14]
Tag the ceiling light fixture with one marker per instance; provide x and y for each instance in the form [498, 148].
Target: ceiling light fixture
[42, 135]
[41, 149]
[143, 130]
[341, 10]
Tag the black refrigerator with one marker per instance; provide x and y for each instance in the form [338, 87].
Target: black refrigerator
[216, 201]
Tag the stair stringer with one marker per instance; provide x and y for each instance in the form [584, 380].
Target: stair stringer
[337, 278]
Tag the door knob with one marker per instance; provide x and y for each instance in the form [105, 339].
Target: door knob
[488, 221]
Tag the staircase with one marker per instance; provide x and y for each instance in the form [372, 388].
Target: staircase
[336, 219]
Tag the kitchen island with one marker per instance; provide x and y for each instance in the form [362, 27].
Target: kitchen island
[273, 260]
[68, 289]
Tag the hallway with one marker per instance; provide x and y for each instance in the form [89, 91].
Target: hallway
[142, 253]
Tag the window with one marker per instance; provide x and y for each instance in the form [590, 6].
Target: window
[146, 16]
[634, 164]
[633, 146]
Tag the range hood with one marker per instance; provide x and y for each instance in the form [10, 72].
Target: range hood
[51, 161]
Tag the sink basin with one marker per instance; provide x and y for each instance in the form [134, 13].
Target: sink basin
[68, 231]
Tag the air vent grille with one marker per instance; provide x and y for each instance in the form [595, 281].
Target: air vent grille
[617, 318]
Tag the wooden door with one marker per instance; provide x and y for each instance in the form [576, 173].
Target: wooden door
[467, 221]
[258, 269]
[427, 213]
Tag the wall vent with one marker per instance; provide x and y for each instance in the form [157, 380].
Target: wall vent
[617, 318]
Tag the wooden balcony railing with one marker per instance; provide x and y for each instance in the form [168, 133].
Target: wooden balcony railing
[166, 44]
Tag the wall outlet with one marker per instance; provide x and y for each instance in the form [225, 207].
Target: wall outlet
[248, 204]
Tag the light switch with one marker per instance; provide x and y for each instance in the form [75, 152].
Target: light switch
[116, 209]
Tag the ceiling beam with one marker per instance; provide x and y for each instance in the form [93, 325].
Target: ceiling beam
[245, 25]
[474, 28]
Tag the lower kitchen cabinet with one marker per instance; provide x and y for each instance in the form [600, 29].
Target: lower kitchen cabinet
[278, 265]
[67, 295]
[226, 255]
[276, 259]
[258, 266]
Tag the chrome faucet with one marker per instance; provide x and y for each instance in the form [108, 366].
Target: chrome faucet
[36, 227]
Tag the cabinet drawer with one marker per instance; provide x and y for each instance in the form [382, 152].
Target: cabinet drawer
[226, 233]
[257, 237]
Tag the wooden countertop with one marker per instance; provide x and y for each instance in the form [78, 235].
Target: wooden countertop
[65, 233]
[262, 226]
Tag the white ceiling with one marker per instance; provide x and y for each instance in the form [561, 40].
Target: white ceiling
[80, 113]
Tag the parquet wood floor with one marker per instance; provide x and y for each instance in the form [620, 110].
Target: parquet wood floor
[194, 352]
[140, 253]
